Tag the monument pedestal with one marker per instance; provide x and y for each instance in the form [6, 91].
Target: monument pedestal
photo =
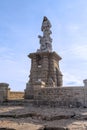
[44, 69]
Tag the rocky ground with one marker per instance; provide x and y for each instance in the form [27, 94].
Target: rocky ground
[32, 117]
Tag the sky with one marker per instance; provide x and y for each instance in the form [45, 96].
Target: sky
[20, 25]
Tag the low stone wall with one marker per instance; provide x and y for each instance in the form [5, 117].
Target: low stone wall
[65, 96]
[16, 95]
[4, 91]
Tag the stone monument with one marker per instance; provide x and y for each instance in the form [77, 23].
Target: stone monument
[45, 71]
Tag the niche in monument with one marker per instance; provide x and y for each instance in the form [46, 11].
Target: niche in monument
[45, 71]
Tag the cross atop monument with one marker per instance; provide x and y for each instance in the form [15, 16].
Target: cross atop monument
[45, 40]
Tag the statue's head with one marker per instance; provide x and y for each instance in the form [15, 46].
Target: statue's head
[45, 18]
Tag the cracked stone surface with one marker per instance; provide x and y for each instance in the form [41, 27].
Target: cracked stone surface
[37, 118]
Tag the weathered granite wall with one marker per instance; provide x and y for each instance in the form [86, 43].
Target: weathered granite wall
[65, 96]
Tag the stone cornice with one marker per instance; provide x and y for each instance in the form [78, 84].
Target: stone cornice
[54, 54]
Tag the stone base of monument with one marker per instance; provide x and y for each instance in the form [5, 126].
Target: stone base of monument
[39, 85]
[28, 94]
[30, 91]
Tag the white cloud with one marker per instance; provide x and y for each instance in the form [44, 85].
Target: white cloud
[4, 49]
[80, 51]
[71, 28]
[13, 68]
[71, 80]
